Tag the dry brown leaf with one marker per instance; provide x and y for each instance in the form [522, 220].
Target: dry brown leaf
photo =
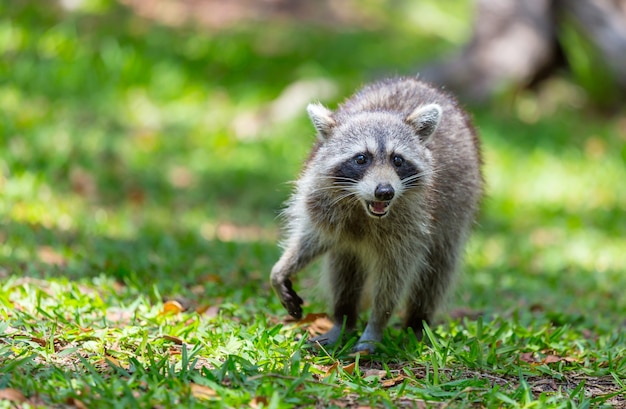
[12, 395]
[349, 368]
[379, 373]
[550, 359]
[530, 358]
[311, 317]
[41, 342]
[210, 278]
[318, 323]
[202, 391]
[172, 307]
[388, 383]
[110, 360]
[527, 357]
[173, 339]
[361, 353]
[258, 401]
[331, 369]
[76, 403]
[209, 311]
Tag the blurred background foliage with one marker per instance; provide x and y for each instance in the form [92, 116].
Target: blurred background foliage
[157, 139]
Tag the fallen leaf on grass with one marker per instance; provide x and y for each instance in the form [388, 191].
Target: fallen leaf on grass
[76, 403]
[12, 395]
[316, 323]
[257, 401]
[113, 362]
[312, 317]
[349, 368]
[362, 352]
[331, 369]
[527, 357]
[532, 358]
[388, 383]
[202, 391]
[334, 367]
[176, 340]
[39, 341]
[210, 278]
[379, 373]
[208, 311]
[550, 359]
[172, 307]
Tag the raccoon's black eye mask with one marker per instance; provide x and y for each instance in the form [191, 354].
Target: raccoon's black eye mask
[354, 168]
[404, 168]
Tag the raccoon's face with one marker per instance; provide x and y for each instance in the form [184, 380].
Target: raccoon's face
[376, 179]
[374, 158]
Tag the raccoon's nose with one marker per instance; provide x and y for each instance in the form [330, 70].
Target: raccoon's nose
[384, 191]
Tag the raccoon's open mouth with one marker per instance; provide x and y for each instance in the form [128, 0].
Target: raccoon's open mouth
[378, 209]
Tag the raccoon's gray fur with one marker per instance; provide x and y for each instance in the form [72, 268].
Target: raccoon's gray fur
[388, 196]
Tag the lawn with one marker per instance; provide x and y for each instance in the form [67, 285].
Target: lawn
[142, 167]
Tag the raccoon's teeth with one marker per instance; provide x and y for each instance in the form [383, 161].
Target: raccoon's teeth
[378, 208]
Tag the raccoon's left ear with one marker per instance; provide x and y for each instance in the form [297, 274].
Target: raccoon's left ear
[322, 119]
[425, 120]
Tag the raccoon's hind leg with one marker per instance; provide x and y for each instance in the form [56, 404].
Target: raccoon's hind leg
[346, 279]
[387, 287]
[429, 288]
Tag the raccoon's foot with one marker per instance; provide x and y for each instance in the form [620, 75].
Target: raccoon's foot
[289, 298]
[367, 347]
[369, 339]
[329, 338]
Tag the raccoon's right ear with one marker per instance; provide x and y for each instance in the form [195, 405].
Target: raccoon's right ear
[322, 119]
[425, 120]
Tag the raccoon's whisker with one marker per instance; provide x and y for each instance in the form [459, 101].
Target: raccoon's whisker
[333, 187]
[338, 179]
[338, 199]
[411, 180]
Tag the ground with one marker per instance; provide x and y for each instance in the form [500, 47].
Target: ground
[143, 163]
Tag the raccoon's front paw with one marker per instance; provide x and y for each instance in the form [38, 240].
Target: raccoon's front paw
[290, 299]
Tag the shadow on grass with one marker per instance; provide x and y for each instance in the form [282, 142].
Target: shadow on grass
[172, 261]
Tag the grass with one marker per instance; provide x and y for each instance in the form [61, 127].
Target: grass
[141, 171]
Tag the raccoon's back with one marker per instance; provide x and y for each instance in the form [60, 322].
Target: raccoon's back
[401, 95]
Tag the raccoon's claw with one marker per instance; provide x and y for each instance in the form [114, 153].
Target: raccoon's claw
[364, 347]
[291, 300]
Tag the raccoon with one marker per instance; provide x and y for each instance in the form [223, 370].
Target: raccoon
[388, 196]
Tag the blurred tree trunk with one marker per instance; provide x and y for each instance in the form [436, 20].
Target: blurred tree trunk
[516, 43]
